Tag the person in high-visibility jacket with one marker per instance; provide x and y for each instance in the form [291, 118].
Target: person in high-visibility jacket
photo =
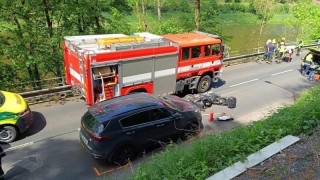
[308, 61]
[282, 49]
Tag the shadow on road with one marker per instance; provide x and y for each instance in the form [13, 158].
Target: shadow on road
[39, 122]
[218, 84]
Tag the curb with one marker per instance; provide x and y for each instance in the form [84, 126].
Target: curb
[254, 159]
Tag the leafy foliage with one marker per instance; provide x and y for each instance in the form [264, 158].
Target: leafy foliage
[307, 20]
[234, 7]
[35, 29]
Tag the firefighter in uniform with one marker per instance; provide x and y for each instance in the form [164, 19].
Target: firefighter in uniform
[282, 49]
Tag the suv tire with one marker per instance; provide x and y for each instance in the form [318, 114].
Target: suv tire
[191, 130]
[123, 155]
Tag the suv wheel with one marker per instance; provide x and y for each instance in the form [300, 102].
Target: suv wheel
[123, 155]
[8, 134]
[191, 130]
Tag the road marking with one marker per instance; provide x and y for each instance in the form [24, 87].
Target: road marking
[281, 72]
[33, 142]
[258, 79]
[98, 173]
[244, 82]
[19, 146]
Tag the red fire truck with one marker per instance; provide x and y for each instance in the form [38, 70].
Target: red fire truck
[110, 65]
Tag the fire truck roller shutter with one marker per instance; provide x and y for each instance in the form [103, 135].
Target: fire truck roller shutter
[165, 69]
[137, 71]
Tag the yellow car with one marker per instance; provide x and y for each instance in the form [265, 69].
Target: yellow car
[15, 116]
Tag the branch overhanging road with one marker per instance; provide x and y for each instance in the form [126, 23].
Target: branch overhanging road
[51, 148]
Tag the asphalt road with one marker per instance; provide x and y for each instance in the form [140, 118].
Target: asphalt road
[51, 148]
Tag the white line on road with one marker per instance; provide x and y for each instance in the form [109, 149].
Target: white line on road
[244, 82]
[31, 143]
[19, 146]
[258, 79]
[282, 72]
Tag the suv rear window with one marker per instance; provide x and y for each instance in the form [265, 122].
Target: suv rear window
[91, 123]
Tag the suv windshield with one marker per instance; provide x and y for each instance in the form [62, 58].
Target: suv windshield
[2, 99]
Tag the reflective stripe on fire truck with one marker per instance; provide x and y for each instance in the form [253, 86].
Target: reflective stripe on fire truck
[75, 74]
[166, 72]
[138, 77]
[147, 76]
[198, 66]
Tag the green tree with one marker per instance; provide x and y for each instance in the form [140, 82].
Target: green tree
[264, 9]
[306, 24]
[35, 29]
[209, 20]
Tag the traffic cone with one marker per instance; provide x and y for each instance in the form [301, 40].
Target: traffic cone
[211, 117]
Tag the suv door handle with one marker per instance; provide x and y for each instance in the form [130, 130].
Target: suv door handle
[131, 132]
[160, 125]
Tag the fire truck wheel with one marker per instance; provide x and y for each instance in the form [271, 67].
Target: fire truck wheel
[204, 84]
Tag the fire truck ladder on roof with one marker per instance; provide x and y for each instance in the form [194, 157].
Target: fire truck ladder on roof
[139, 45]
[114, 40]
[207, 34]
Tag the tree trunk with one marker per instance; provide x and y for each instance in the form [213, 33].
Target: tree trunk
[96, 18]
[144, 15]
[57, 69]
[138, 12]
[197, 15]
[48, 19]
[159, 10]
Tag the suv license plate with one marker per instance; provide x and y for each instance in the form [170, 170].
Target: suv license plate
[84, 140]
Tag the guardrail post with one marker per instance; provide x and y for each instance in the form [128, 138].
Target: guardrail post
[258, 51]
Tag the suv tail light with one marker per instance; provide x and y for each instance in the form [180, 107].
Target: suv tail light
[100, 138]
[93, 136]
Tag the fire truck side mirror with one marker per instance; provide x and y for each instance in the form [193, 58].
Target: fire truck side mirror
[222, 51]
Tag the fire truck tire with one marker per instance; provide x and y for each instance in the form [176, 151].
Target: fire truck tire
[204, 84]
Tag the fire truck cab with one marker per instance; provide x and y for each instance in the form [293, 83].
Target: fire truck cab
[106, 66]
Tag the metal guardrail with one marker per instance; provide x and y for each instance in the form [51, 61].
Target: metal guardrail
[260, 51]
[63, 91]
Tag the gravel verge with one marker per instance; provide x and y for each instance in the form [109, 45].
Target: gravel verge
[297, 162]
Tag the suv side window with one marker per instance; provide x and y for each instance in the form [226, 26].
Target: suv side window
[157, 114]
[139, 118]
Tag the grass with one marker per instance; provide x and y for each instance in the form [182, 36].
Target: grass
[238, 18]
[212, 153]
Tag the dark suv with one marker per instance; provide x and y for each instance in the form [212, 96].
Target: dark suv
[116, 130]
